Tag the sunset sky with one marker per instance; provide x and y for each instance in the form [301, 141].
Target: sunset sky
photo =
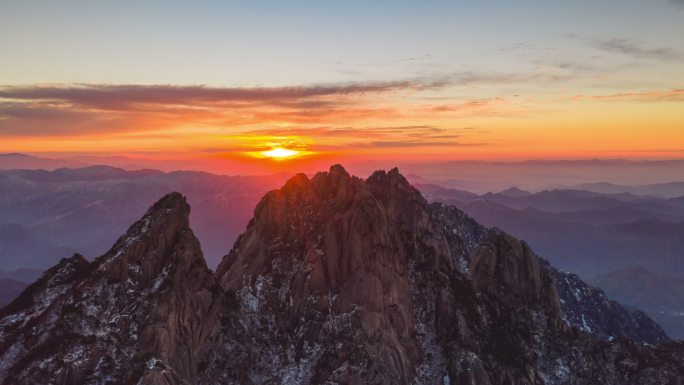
[319, 81]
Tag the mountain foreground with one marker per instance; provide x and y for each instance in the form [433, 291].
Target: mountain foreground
[337, 280]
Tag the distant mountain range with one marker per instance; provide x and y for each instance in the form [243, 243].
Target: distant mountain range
[663, 190]
[660, 295]
[48, 215]
[645, 177]
[581, 231]
[22, 161]
[23, 274]
[10, 289]
[13, 282]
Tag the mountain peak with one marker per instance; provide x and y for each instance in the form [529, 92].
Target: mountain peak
[338, 169]
[393, 175]
[171, 201]
[172, 212]
[389, 179]
[151, 239]
[298, 181]
[14, 155]
[393, 189]
[337, 182]
[144, 308]
[515, 192]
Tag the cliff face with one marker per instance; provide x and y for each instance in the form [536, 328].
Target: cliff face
[141, 311]
[336, 280]
[323, 287]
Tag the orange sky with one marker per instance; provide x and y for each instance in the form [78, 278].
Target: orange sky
[216, 84]
[401, 120]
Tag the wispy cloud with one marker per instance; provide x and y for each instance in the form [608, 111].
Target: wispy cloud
[638, 50]
[373, 136]
[416, 143]
[97, 108]
[348, 130]
[118, 96]
[675, 95]
[115, 97]
[123, 96]
[374, 114]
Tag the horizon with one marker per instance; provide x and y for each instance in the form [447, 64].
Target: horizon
[476, 176]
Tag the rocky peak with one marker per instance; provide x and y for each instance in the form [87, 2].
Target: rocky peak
[295, 216]
[326, 262]
[159, 227]
[393, 189]
[144, 308]
[433, 248]
[332, 182]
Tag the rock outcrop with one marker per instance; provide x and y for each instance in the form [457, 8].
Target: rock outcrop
[337, 280]
[508, 269]
[141, 312]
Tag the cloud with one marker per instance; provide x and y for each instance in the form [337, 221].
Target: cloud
[326, 138]
[123, 96]
[675, 95]
[417, 143]
[677, 3]
[637, 50]
[97, 109]
[37, 119]
[373, 131]
[126, 96]
[114, 97]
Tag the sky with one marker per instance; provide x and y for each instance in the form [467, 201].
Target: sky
[222, 84]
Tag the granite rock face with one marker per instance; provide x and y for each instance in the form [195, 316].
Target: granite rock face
[141, 312]
[336, 280]
[507, 268]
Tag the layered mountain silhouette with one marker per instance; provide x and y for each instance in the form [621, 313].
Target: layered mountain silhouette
[336, 280]
[585, 232]
[49, 215]
[660, 295]
[10, 289]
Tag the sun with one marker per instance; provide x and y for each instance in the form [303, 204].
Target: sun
[280, 153]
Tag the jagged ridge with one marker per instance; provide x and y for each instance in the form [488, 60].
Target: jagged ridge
[136, 313]
[336, 280]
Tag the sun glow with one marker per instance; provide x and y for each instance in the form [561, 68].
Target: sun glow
[280, 153]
